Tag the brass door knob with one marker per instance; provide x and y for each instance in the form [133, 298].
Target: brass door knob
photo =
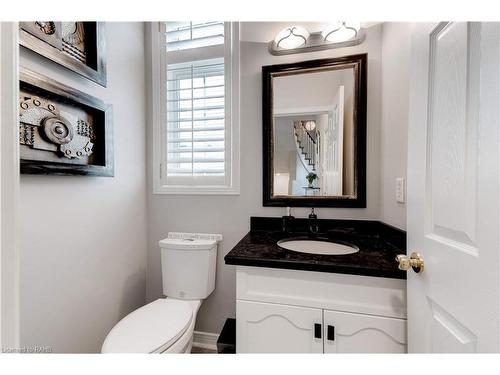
[415, 261]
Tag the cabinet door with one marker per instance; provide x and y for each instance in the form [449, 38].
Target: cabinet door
[272, 328]
[359, 333]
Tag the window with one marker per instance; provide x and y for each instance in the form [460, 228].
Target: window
[186, 35]
[196, 107]
[195, 118]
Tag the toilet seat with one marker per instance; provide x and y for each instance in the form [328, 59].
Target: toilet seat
[152, 328]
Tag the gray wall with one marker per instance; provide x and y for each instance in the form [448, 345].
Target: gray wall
[229, 215]
[396, 49]
[83, 239]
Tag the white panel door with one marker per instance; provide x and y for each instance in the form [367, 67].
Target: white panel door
[273, 328]
[359, 333]
[453, 188]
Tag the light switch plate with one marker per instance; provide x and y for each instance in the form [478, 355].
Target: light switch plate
[400, 190]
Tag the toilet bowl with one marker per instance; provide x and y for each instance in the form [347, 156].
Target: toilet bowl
[163, 326]
[167, 324]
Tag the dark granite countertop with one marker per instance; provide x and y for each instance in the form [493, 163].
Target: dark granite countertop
[378, 245]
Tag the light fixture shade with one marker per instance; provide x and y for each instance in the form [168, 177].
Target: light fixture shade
[291, 37]
[341, 31]
[310, 125]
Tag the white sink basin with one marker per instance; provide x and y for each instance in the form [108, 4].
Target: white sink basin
[317, 247]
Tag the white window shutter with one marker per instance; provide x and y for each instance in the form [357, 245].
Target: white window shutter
[195, 123]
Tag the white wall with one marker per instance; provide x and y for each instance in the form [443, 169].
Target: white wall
[284, 144]
[396, 46]
[229, 215]
[9, 188]
[312, 92]
[83, 239]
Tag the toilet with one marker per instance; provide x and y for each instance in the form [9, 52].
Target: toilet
[188, 263]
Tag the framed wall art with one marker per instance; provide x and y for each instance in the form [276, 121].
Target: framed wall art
[62, 130]
[79, 46]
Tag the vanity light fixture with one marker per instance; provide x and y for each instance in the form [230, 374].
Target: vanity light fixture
[296, 39]
[291, 37]
[341, 32]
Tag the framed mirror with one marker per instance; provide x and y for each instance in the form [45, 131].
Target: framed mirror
[314, 133]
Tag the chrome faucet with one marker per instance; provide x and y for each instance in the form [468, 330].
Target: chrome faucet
[313, 222]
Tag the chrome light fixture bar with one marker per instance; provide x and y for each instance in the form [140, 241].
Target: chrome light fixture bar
[296, 39]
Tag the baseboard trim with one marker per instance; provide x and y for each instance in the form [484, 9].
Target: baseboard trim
[205, 340]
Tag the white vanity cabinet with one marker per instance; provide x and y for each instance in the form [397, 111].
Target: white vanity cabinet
[288, 311]
[361, 333]
[275, 328]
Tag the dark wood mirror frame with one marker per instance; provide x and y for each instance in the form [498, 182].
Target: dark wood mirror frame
[359, 64]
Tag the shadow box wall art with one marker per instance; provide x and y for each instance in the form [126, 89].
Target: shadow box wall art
[62, 130]
[79, 46]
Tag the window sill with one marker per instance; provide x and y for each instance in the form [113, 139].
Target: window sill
[196, 190]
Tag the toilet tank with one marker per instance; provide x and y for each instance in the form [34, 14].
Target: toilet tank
[188, 267]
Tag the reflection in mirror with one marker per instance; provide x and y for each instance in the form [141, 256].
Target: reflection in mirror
[313, 115]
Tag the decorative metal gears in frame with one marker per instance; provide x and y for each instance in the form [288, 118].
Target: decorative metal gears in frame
[42, 127]
[73, 40]
[47, 27]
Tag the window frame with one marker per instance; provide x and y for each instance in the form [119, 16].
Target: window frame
[231, 112]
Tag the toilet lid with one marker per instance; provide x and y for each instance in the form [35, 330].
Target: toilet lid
[150, 328]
